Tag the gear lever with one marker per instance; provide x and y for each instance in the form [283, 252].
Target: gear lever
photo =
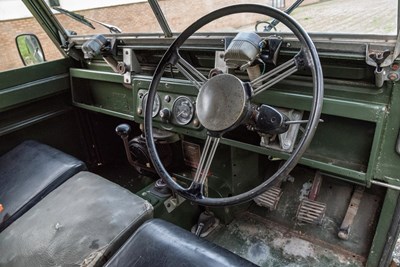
[123, 130]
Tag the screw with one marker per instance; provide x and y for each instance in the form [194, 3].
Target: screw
[286, 144]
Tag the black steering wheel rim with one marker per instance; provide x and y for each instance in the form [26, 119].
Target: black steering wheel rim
[170, 57]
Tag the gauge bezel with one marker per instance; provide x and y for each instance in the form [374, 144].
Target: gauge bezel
[156, 99]
[175, 120]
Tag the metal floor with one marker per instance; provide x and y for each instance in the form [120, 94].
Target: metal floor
[270, 245]
[276, 238]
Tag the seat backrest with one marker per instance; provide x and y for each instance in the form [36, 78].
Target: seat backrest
[159, 243]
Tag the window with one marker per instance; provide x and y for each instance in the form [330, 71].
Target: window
[15, 19]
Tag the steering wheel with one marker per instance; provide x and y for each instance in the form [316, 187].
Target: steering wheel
[223, 103]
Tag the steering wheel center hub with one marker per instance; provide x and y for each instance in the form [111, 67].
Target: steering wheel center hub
[222, 103]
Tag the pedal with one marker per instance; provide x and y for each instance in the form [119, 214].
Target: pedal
[269, 198]
[344, 230]
[311, 211]
[206, 223]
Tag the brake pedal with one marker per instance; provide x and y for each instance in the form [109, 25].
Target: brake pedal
[311, 211]
[269, 198]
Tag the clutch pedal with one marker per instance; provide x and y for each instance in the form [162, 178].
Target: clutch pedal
[269, 198]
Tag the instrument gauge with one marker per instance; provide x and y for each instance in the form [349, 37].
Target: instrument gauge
[156, 105]
[182, 110]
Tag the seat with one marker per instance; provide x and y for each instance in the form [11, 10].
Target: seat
[80, 223]
[159, 243]
[28, 173]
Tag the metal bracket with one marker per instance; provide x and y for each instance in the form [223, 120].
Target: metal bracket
[220, 63]
[287, 139]
[383, 61]
[173, 202]
[131, 64]
[389, 59]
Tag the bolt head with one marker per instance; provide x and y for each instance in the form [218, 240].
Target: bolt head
[393, 76]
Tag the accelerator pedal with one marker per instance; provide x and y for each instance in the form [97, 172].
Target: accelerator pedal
[344, 230]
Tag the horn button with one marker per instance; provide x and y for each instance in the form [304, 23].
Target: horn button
[222, 103]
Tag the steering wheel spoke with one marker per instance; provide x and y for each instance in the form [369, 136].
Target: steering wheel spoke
[191, 73]
[275, 75]
[206, 159]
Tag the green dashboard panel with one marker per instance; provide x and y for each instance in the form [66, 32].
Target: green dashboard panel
[347, 144]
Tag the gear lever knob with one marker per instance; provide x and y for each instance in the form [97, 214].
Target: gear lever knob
[123, 130]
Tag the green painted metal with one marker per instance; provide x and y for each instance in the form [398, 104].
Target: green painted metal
[382, 228]
[31, 83]
[167, 85]
[104, 111]
[21, 124]
[387, 164]
[102, 92]
[360, 110]
[50, 120]
[368, 106]
[32, 91]
[35, 104]
[185, 215]
[332, 106]
[355, 176]
[32, 73]
[96, 75]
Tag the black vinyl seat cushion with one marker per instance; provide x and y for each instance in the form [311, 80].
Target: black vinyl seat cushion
[80, 223]
[28, 173]
[159, 243]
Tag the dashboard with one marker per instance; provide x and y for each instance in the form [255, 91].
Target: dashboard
[352, 104]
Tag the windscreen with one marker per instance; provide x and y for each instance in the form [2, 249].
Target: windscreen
[316, 16]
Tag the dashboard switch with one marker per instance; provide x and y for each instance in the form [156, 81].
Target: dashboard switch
[165, 114]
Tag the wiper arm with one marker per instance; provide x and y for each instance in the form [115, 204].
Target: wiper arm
[111, 28]
[83, 20]
[75, 16]
[287, 11]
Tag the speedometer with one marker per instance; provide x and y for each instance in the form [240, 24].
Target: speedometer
[182, 110]
[156, 105]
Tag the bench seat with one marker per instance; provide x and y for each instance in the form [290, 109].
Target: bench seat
[80, 223]
[28, 173]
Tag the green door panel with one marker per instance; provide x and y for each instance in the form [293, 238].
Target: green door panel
[33, 82]
[35, 103]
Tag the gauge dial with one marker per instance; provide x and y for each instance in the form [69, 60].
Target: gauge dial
[156, 105]
[182, 110]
